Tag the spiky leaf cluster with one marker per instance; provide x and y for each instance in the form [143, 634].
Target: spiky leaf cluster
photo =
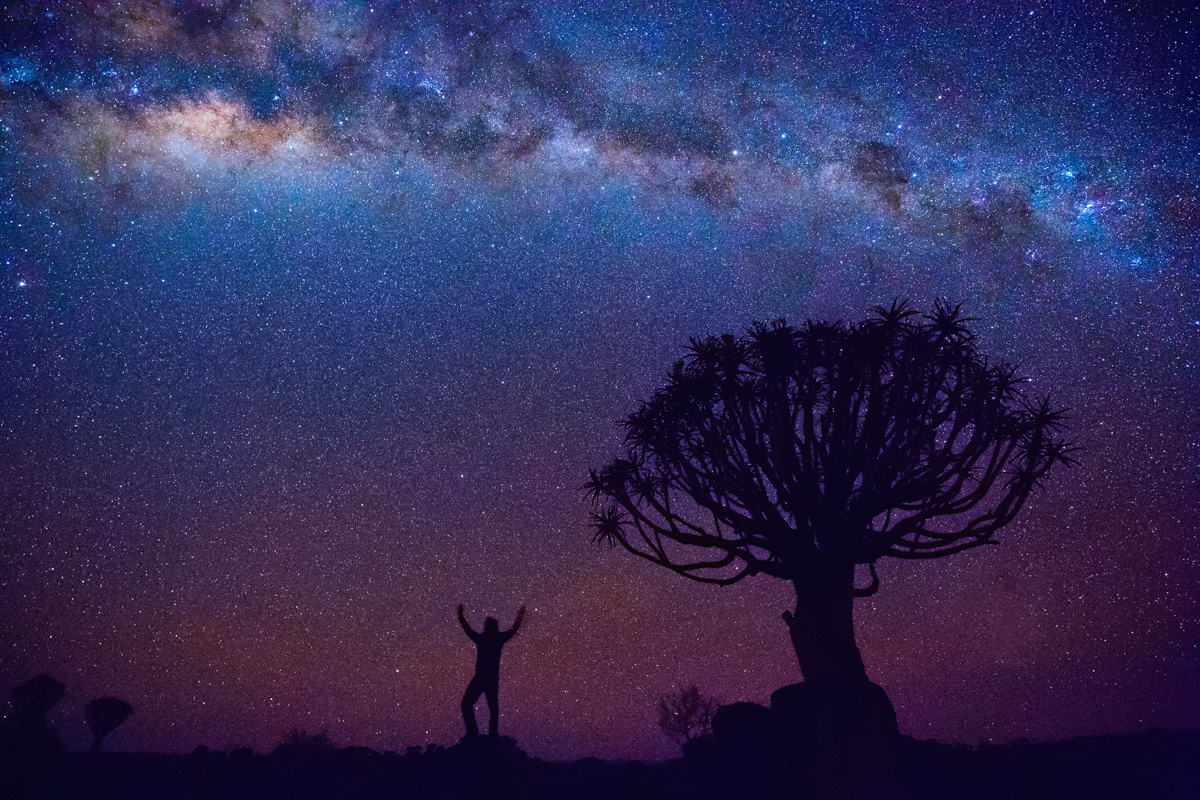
[889, 437]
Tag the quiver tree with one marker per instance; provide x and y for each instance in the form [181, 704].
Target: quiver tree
[104, 715]
[804, 452]
[33, 699]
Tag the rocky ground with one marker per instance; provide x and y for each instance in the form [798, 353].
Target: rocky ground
[1164, 765]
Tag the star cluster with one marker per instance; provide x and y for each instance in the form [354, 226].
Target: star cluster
[315, 315]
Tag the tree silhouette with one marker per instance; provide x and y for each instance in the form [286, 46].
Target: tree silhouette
[104, 715]
[299, 744]
[800, 453]
[33, 699]
[686, 714]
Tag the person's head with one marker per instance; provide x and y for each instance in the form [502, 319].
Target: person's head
[491, 625]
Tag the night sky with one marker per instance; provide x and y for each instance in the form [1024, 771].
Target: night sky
[314, 316]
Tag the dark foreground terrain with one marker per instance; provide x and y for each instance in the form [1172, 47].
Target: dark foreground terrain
[1157, 765]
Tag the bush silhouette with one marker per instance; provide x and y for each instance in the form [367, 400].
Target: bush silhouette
[686, 714]
[300, 744]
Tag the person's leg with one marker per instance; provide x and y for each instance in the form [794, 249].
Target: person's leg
[493, 700]
[474, 689]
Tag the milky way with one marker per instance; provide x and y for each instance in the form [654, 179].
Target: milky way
[315, 315]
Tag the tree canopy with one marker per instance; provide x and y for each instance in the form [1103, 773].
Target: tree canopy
[104, 715]
[827, 442]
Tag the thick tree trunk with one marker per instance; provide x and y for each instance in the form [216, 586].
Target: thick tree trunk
[822, 626]
[849, 722]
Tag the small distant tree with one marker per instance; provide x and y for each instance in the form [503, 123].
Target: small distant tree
[104, 715]
[33, 699]
[686, 714]
[803, 452]
[302, 744]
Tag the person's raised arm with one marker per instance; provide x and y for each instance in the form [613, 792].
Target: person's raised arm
[466, 626]
[517, 625]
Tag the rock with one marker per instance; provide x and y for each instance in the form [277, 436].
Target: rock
[743, 724]
[701, 748]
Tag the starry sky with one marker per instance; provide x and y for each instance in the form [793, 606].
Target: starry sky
[314, 316]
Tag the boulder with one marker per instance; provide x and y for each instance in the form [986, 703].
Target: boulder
[844, 736]
[743, 724]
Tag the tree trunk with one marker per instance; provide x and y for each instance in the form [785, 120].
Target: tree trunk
[822, 627]
[848, 721]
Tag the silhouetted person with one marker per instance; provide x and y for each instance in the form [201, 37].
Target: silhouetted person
[487, 670]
